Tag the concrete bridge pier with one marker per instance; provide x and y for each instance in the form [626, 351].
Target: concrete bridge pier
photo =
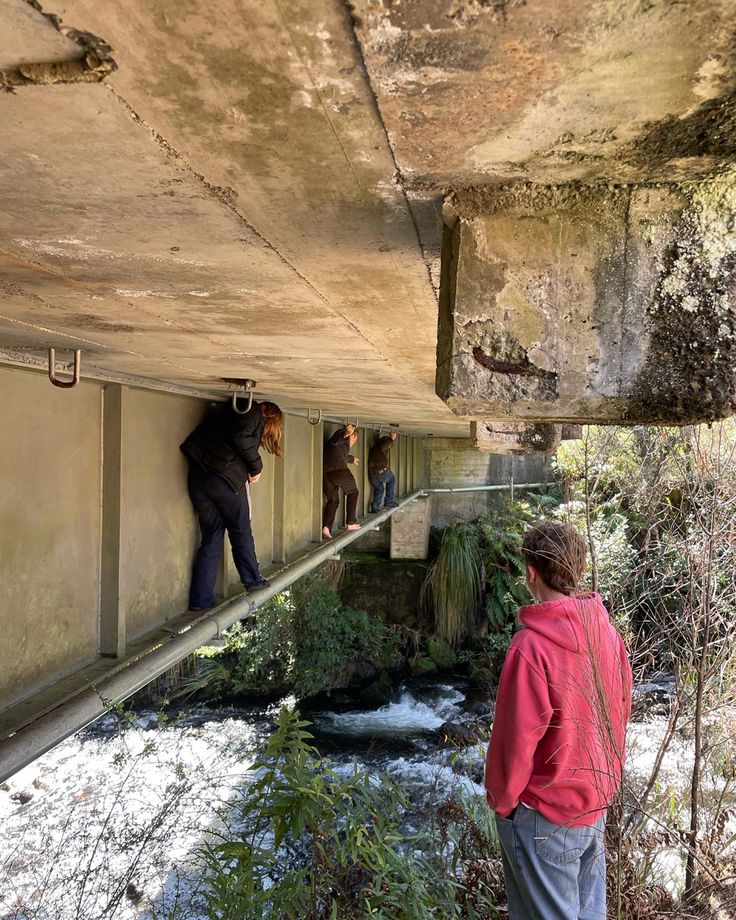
[606, 303]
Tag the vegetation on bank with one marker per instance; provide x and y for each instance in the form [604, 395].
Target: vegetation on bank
[322, 845]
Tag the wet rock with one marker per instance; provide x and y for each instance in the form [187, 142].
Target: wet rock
[107, 723]
[132, 893]
[480, 677]
[455, 734]
[148, 720]
[378, 693]
[483, 710]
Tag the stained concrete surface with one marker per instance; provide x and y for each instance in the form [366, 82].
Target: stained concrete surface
[225, 204]
[158, 528]
[50, 519]
[608, 304]
[473, 92]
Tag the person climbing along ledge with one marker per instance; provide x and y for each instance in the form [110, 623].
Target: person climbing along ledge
[336, 476]
[223, 463]
[380, 475]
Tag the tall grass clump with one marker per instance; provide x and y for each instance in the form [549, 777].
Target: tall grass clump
[453, 585]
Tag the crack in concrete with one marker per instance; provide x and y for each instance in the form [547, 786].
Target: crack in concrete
[398, 175]
[95, 61]
[318, 94]
[225, 196]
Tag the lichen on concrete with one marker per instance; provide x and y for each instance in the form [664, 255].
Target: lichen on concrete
[689, 370]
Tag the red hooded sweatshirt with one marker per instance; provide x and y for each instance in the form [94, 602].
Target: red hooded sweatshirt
[561, 711]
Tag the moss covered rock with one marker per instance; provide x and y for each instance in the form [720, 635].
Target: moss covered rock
[480, 677]
[422, 666]
[441, 653]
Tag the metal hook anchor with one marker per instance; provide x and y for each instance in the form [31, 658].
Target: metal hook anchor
[314, 421]
[65, 384]
[247, 388]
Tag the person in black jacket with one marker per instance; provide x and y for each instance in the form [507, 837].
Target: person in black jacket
[223, 462]
[336, 476]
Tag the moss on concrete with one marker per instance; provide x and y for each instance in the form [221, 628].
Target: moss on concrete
[688, 374]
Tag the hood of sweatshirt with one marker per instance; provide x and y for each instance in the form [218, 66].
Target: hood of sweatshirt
[568, 622]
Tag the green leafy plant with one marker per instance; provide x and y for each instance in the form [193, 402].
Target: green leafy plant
[331, 640]
[504, 585]
[322, 846]
[303, 641]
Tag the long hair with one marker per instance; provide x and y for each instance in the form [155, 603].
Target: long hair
[273, 427]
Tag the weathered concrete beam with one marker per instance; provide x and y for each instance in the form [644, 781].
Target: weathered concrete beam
[607, 304]
[515, 438]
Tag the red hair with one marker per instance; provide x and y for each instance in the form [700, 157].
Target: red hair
[273, 427]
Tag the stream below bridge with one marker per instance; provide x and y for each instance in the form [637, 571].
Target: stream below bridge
[108, 823]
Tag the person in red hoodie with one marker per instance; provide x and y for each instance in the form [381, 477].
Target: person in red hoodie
[556, 754]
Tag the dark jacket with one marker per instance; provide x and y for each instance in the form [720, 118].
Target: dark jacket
[378, 455]
[337, 452]
[227, 444]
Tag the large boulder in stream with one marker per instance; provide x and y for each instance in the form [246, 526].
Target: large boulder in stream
[455, 734]
[379, 692]
[480, 678]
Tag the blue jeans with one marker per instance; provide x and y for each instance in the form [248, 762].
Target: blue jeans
[380, 481]
[552, 872]
[219, 508]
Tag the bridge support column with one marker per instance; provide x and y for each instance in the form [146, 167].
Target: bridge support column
[112, 611]
[609, 304]
[410, 530]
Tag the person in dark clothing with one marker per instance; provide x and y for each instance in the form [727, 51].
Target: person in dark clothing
[380, 475]
[336, 476]
[223, 462]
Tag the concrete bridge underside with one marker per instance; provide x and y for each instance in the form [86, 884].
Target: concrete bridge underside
[484, 221]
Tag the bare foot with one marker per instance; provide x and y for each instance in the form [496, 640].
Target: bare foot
[353, 527]
[326, 535]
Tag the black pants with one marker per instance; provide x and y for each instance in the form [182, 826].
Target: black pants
[332, 482]
[219, 508]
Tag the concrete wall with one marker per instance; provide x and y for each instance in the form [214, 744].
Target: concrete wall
[299, 472]
[451, 463]
[97, 532]
[158, 528]
[50, 520]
